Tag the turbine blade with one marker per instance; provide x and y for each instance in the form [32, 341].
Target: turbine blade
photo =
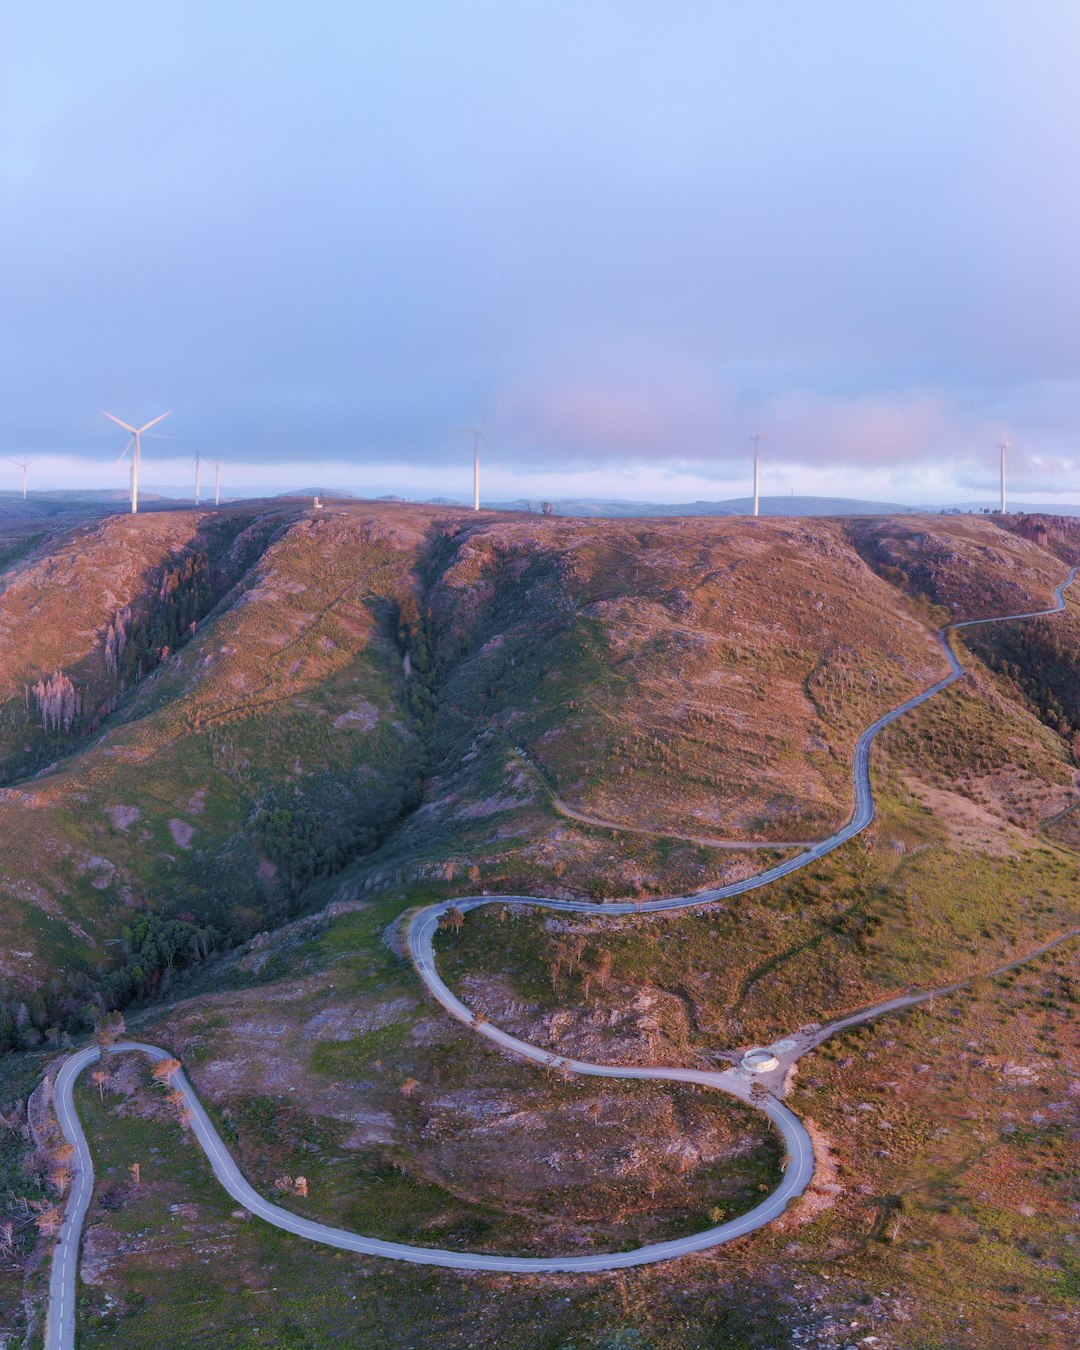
[124, 453]
[118, 421]
[154, 422]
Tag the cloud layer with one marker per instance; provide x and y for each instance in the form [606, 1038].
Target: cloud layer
[615, 236]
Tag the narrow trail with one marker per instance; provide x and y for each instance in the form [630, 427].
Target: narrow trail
[618, 827]
[739, 1081]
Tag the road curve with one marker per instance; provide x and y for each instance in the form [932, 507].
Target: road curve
[799, 1165]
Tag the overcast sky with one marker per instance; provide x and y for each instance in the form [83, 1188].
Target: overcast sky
[614, 233]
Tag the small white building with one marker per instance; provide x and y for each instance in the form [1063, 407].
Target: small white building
[760, 1061]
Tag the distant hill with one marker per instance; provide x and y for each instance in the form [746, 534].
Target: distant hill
[1026, 508]
[736, 506]
[326, 492]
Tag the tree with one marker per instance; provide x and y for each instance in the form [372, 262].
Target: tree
[409, 1086]
[61, 1178]
[109, 1030]
[50, 1220]
[164, 1069]
[100, 1077]
[136, 1174]
[602, 970]
[13, 1121]
[452, 919]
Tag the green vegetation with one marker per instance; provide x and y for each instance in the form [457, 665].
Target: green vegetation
[1039, 658]
[153, 947]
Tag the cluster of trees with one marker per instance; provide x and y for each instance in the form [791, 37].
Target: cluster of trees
[59, 703]
[116, 637]
[1041, 660]
[306, 844]
[414, 634]
[575, 954]
[153, 947]
[135, 644]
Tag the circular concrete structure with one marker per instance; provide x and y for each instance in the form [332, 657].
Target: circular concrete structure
[760, 1061]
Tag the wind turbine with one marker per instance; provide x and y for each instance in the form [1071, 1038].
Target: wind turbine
[136, 459]
[1004, 448]
[217, 484]
[197, 461]
[477, 434]
[757, 438]
[23, 464]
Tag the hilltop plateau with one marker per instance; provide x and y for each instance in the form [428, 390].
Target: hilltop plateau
[238, 745]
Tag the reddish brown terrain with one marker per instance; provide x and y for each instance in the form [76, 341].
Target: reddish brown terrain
[334, 718]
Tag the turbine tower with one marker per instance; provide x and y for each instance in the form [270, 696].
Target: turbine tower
[136, 459]
[217, 484]
[23, 464]
[197, 461]
[757, 438]
[1004, 448]
[477, 434]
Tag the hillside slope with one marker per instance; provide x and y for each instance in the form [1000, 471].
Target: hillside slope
[379, 706]
[214, 781]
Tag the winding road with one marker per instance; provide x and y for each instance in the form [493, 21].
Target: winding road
[740, 1082]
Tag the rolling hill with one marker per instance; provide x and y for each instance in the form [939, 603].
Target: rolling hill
[236, 746]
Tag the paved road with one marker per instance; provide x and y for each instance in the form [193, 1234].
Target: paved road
[799, 1165]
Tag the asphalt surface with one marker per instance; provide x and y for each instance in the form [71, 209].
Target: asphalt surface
[799, 1164]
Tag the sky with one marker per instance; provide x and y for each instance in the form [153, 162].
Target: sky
[617, 235]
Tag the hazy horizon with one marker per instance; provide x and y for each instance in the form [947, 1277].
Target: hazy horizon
[177, 492]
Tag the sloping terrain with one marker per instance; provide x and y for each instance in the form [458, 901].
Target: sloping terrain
[376, 708]
[212, 782]
[695, 679]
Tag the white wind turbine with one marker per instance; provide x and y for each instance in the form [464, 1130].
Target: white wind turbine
[1004, 448]
[477, 434]
[136, 459]
[757, 438]
[197, 461]
[23, 464]
[217, 484]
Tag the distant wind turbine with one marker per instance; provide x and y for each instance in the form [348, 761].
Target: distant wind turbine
[217, 484]
[197, 461]
[136, 459]
[477, 434]
[23, 464]
[757, 438]
[1004, 448]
